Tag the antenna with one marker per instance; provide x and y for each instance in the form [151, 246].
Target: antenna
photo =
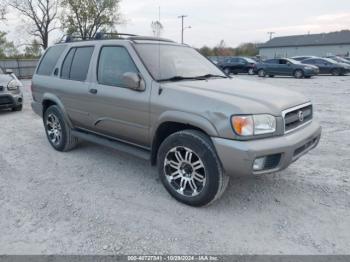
[271, 34]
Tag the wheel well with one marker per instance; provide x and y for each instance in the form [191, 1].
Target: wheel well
[47, 104]
[164, 130]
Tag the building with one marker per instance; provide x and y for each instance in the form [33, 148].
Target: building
[335, 43]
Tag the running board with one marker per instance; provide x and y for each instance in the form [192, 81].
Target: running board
[120, 146]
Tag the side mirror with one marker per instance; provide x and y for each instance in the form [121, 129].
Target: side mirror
[9, 71]
[134, 81]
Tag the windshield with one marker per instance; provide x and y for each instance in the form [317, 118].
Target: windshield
[293, 61]
[165, 61]
[249, 60]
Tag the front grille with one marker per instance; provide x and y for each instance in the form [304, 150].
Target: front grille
[296, 117]
[304, 147]
[6, 100]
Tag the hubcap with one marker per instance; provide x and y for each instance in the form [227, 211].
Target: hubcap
[54, 129]
[184, 171]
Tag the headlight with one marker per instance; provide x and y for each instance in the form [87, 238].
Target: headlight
[13, 85]
[309, 68]
[253, 124]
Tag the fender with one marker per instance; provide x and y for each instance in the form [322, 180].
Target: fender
[58, 102]
[187, 119]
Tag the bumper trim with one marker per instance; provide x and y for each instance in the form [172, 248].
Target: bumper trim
[237, 157]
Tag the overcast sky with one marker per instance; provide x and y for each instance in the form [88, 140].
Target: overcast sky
[213, 20]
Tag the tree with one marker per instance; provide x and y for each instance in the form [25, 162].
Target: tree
[7, 49]
[41, 14]
[157, 28]
[85, 18]
[247, 49]
[33, 50]
[206, 51]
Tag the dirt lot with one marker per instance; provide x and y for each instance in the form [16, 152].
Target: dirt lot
[95, 200]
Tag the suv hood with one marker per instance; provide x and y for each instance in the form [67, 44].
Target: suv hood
[245, 96]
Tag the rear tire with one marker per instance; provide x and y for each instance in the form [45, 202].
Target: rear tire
[58, 131]
[261, 73]
[190, 169]
[251, 71]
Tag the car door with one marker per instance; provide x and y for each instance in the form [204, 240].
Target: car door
[271, 66]
[119, 112]
[73, 85]
[323, 65]
[284, 67]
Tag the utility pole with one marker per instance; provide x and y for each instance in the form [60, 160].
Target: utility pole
[182, 27]
[271, 34]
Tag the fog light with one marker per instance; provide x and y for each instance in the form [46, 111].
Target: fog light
[259, 164]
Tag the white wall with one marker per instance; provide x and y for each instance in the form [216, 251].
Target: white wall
[305, 50]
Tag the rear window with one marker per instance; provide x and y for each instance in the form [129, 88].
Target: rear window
[76, 64]
[49, 60]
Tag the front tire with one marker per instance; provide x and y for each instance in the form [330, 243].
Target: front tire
[17, 108]
[298, 74]
[227, 71]
[189, 168]
[336, 72]
[57, 130]
[251, 71]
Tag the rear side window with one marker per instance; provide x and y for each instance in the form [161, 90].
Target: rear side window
[49, 60]
[67, 64]
[76, 64]
[114, 62]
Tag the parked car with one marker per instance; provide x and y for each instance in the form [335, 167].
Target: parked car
[301, 58]
[328, 66]
[286, 67]
[236, 65]
[11, 96]
[339, 59]
[164, 102]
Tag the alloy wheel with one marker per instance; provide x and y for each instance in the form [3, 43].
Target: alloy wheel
[54, 129]
[185, 171]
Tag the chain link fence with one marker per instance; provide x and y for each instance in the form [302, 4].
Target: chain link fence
[22, 68]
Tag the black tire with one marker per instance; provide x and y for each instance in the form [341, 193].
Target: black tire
[66, 142]
[227, 71]
[251, 71]
[335, 72]
[307, 77]
[214, 179]
[261, 73]
[17, 108]
[298, 73]
[271, 76]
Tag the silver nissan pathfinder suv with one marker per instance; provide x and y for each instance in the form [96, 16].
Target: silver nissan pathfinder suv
[166, 103]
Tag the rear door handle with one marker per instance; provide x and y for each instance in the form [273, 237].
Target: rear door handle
[93, 91]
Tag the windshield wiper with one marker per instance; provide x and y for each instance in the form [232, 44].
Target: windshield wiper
[210, 76]
[180, 78]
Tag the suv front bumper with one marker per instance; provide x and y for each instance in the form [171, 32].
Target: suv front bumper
[8, 100]
[237, 157]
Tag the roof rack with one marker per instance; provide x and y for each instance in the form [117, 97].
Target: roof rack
[111, 36]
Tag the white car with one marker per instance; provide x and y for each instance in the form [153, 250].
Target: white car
[11, 95]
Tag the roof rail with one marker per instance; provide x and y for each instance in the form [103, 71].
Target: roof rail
[110, 36]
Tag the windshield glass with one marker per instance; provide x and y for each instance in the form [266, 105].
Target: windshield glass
[166, 61]
[249, 60]
[293, 61]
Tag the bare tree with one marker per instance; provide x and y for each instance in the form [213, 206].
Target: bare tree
[42, 15]
[85, 18]
[157, 28]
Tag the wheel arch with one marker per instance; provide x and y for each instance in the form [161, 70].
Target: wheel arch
[172, 122]
[50, 100]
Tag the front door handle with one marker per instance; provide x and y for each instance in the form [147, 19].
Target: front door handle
[93, 91]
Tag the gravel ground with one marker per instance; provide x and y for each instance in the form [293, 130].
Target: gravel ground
[95, 200]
